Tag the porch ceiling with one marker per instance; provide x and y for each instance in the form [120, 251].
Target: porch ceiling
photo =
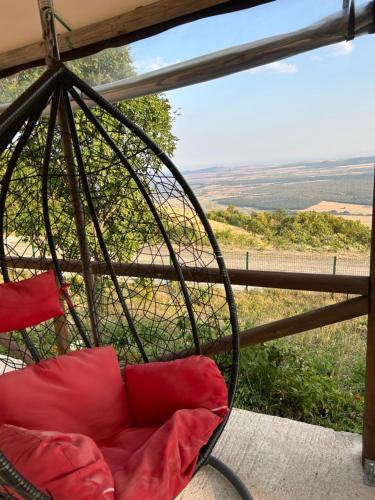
[95, 24]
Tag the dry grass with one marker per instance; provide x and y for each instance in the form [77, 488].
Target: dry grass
[348, 211]
[352, 208]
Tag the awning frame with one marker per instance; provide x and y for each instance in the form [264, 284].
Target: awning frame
[343, 25]
[124, 29]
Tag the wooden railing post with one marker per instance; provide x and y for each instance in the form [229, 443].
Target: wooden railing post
[368, 454]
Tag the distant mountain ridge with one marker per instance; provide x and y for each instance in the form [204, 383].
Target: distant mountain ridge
[359, 160]
[206, 170]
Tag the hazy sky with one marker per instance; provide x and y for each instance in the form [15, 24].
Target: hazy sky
[318, 105]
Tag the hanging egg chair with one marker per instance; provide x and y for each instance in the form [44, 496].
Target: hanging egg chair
[105, 257]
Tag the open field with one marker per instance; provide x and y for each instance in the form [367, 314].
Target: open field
[302, 194]
[292, 187]
[341, 208]
[349, 211]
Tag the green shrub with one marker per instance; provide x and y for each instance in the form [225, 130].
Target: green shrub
[279, 379]
[315, 377]
[297, 231]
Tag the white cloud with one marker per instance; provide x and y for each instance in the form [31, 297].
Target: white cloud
[277, 67]
[316, 58]
[336, 50]
[283, 67]
[153, 64]
[342, 48]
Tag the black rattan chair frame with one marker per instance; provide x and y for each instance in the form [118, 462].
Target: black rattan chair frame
[50, 239]
[56, 88]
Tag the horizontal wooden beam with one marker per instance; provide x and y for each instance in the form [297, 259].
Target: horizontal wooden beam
[218, 64]
[328, 31]
[119, 30]
[301, 281]
[355, 285]
[340, 283]
[288, 326]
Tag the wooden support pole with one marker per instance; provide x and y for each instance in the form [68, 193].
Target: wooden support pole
[60, 325]
[53, 56]
[368, 453]
[79, 220]
[288, 326]
[51, 50]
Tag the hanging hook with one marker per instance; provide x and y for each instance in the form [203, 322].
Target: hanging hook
[372, 29]
[49, 31]
[349, 5]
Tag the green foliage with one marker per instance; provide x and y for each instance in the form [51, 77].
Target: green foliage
[315, 377]
[284, 380]
[118, 200]
[231, 239]
[105, 67]
[300, 230]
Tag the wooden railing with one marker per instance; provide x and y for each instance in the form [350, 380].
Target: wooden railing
[363, 304]
[354, 285]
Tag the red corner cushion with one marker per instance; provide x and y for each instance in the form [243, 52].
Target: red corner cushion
[68, 466]
[81, 392]
[156, 390]
[29, 302]
[157, 463]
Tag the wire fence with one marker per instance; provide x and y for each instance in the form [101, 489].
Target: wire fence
[275, 260]
[355, 264]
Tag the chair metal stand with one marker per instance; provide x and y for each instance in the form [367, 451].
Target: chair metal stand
[230, 476]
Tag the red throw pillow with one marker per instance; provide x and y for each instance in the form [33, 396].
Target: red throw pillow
[156, 390]
[81, 392]
[67, 466]
[29, 302]
[157, 463]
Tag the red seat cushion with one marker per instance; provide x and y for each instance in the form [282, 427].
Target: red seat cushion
[81, 392]
[176, 405]
[156, 390]
[157, 463]
[68, 466]
[29, 302]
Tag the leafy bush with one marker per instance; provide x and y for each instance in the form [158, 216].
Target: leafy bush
[228, 239]
[281, 379]
[298, 231]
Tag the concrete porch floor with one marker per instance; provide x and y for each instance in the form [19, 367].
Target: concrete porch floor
[282, 459]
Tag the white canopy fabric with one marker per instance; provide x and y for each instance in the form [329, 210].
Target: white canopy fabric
[329, 30]
[20, 20]
[87, 26]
